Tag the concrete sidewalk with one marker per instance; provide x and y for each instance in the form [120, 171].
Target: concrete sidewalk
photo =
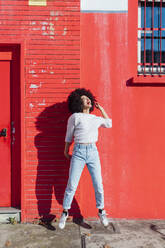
[90, 234]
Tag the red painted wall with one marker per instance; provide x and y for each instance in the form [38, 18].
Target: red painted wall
[132, 152]
[50, 57]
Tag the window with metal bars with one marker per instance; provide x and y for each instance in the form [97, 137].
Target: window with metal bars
[151, 37]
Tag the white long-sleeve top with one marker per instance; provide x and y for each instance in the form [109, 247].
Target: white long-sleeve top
[84, 127]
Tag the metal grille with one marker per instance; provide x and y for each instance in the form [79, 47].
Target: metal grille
[151, 37]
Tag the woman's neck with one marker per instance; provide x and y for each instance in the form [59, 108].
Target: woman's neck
[86, 111]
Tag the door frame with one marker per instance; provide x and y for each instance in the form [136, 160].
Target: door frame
[21, 43]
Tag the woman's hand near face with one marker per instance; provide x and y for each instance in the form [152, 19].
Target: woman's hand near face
[104, 114]
[97, 105]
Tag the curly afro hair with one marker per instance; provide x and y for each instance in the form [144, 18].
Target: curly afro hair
[75, 103]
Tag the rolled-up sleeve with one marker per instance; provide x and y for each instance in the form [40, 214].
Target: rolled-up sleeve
[70, 129]
[103, 122]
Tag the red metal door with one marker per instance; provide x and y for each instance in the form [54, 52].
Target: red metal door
[5, 142]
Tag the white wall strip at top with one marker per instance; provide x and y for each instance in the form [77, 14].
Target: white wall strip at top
[104, 5]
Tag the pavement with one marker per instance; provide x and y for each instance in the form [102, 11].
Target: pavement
[121, 233]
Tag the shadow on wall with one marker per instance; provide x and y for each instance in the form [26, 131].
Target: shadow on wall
[53, 167]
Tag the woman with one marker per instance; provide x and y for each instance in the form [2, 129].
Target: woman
[83, 126]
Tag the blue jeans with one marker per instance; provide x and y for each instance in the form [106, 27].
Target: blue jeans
[84, 154]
